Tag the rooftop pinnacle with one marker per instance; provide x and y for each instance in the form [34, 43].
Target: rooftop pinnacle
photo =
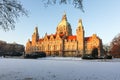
[64, 17]
[80, 23]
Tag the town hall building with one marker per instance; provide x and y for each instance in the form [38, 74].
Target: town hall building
[64, 43]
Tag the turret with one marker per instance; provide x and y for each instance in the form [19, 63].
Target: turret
[35, 36]
[80, 37]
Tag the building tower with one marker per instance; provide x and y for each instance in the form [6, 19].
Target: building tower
[80, 37]
[35, 36]
[64, 27]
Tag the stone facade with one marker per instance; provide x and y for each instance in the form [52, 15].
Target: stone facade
[63, 43]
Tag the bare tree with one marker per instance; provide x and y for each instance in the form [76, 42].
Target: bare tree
[115, 46]
[10, 10]
[76, 3]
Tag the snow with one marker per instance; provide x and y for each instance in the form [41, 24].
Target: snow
[59, 68]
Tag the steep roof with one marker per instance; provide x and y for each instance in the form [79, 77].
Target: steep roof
[71, 37]
[54, 35]
[41, 40]
[88, 38]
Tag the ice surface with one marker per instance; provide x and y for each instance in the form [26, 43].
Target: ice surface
[59, 68]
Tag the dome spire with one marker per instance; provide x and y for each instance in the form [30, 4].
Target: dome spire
[64, 16]
[64, 26]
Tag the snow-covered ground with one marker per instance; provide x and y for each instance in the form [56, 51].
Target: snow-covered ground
[59, 68]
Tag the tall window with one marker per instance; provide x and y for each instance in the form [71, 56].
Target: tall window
[39, 48]
[42, 47]
[57, 47]
[73, 47]
[54, 47]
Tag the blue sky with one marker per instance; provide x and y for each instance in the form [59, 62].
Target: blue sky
[101, 17]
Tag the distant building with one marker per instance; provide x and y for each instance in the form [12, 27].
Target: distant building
[64, 43]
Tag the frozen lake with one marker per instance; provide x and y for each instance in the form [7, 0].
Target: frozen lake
[59, 68]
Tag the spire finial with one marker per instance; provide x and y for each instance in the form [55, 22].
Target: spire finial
[64, 13]
[46, 34]
[36, 30]
[64, 16]
[80, 20]
[28, 40]
[80, 23]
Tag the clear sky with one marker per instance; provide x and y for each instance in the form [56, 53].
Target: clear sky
[101, 17]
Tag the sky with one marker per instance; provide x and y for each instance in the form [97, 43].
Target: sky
[101, 17]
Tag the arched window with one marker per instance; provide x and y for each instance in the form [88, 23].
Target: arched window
[42, 47]
[39, 48]
[73, 47]
[54, 47]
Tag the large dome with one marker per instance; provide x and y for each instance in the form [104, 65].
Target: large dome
[64, 27]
